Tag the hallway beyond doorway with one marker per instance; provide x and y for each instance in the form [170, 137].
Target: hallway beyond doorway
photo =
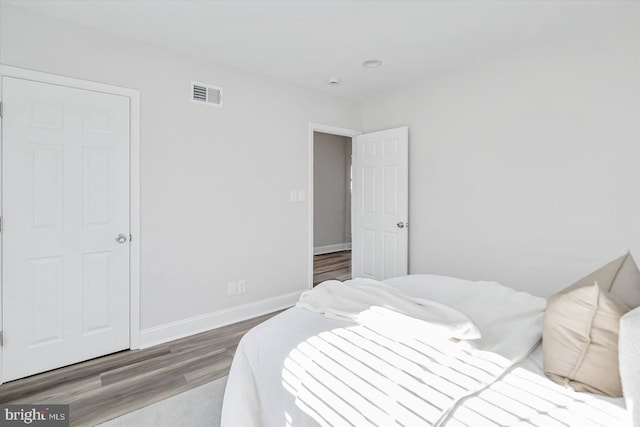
[335, 265]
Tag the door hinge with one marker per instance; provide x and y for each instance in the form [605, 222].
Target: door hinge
[1, 104]
[130, 237]
[1, 338]
[1, 224]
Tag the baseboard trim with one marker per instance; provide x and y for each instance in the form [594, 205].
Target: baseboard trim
[205, 322]
[331, 248]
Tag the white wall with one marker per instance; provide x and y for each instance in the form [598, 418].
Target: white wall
[215, 182]
[525, 169]
[331, 198]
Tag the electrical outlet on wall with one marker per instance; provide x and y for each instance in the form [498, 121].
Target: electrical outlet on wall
[242, 286]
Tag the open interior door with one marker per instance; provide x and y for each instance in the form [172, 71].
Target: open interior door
[380, 205]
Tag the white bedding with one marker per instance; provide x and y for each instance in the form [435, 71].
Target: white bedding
[525, 397]
[379, 306]
[303, 369]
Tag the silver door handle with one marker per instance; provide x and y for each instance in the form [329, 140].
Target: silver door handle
[402, 224]
[121, 238]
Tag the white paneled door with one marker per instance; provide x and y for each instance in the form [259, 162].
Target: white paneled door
[380, 207]
[65, 197]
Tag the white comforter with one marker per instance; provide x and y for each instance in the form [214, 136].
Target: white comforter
[524, 397]
[303, 369]
[379, 306]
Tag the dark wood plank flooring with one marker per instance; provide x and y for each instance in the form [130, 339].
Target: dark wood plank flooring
[107, 387]
[336, 265]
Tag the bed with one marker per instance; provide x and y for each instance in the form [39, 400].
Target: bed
[306, 368]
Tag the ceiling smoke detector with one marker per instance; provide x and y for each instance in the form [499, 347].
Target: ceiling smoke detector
[372, 63]
[334, 81]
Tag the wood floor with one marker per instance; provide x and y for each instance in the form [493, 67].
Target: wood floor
[336, 265]
[107, 387]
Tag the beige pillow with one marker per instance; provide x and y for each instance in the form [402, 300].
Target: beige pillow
[626, 283]
[620, 278]
[581, 327]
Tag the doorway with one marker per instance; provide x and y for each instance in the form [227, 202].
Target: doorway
[332, 207]
[330, 174]
[379, 205]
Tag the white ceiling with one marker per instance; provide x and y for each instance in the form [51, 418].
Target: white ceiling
[307, 42]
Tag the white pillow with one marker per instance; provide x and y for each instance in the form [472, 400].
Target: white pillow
[629, 358]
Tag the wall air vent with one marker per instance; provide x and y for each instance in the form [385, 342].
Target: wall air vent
[206, 94]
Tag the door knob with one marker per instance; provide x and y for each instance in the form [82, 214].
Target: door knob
[402, 224]
[121, 238]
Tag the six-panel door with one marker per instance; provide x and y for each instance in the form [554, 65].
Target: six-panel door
[380, 204]
[65, 200]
